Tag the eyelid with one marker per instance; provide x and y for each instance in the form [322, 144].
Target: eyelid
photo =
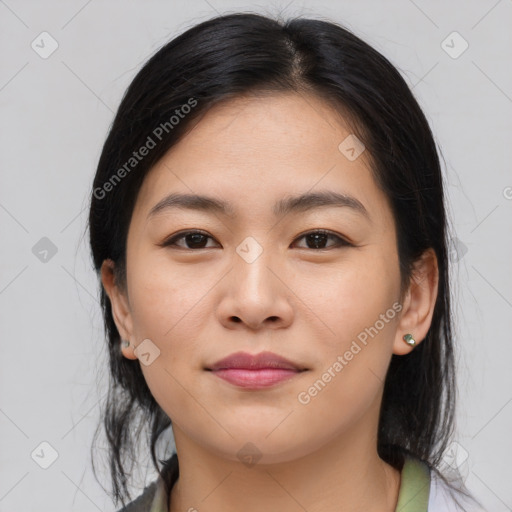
[342, 240]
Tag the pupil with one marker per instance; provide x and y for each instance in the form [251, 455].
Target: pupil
[196, 238]
[315, 238]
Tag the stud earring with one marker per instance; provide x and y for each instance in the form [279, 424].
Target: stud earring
[125, 343]
[409, 340]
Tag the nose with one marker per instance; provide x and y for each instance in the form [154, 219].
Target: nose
[256, 295]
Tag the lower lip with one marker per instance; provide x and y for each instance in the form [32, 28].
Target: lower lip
[255, 379]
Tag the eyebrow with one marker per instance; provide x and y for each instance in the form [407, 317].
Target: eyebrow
[291, 204]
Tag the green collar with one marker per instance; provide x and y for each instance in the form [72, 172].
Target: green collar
[415, 486]
[412, 496]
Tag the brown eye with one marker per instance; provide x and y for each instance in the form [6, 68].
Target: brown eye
[318, 239]
[192, 239]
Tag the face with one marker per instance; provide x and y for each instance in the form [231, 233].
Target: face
[314, 281]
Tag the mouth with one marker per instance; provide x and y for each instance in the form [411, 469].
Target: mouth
[255, 371]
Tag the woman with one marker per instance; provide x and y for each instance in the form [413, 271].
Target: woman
[268, 223]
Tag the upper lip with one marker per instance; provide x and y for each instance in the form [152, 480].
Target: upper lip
[244, 360]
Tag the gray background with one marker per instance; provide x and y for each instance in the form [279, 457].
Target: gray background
[55, 116]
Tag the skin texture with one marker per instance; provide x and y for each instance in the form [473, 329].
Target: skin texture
[198, 305]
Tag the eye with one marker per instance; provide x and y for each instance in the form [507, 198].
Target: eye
[198, 240]
[193, 239]
[318, 238]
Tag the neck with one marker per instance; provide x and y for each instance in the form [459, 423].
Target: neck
[345, 475]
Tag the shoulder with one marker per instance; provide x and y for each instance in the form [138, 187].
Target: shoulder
[143, 502]
[443, 498]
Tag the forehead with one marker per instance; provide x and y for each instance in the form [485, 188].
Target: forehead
[262, 147]
[278, 123]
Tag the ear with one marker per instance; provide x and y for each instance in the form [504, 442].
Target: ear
[418, 303]
[120, 307]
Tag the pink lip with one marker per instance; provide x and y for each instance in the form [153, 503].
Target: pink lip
[255, 371]
[255, 379]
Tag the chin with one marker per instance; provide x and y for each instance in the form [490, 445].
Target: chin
[253, 446]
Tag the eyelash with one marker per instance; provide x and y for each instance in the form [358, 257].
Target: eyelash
[341, 241]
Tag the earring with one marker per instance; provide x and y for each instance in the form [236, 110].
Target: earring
[409, 340]
[125, 343]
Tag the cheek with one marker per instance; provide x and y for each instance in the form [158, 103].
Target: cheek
[167, 299]
[351, 296]
[166, 309]
[359, 305]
